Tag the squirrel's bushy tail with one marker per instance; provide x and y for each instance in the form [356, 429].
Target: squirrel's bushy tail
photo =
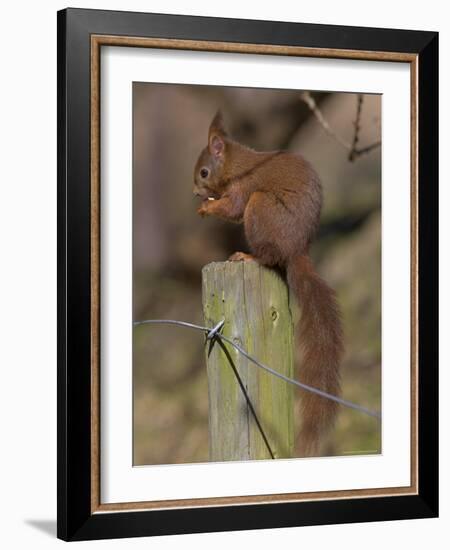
[320, 336]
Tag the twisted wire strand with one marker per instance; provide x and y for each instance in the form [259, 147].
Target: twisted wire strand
[214, 332]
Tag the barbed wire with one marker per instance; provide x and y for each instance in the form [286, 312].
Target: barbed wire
[247, 397]
[214, 333]
[211, 336]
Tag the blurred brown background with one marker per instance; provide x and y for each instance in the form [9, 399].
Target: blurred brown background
[172, 244]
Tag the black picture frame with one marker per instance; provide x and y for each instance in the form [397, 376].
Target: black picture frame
[75, 518]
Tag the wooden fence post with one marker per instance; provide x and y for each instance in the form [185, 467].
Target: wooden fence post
[254, 301]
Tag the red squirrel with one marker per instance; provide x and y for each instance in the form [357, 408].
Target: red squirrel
[277, 195]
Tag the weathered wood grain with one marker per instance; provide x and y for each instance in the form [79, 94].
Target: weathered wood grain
[254, 302]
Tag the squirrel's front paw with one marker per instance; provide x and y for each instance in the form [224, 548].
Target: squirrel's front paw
[202, 210]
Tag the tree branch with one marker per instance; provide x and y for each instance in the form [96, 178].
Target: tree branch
[353, 151]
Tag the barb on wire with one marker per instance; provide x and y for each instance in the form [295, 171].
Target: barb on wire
[218, 335]
[215, 330]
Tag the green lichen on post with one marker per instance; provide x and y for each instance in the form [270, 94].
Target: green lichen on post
[254, 302]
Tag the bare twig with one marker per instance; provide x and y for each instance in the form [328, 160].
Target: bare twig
[366, 149]
[307, 98]
[353, 151]
[357, 127]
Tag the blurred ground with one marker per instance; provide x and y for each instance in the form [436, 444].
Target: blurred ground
[171, 245]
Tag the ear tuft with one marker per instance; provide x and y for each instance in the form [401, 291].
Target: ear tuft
[217, 125]
[217, 135]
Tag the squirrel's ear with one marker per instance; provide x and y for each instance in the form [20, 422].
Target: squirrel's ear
[217, 126]
[217, 135]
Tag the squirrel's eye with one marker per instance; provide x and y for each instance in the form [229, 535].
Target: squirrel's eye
[204, 173]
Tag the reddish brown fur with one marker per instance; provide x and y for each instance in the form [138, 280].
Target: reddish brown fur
[278, 197]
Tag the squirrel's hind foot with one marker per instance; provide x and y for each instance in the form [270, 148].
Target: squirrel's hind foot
[241, 257]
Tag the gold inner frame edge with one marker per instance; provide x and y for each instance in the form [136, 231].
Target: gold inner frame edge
[263, 49]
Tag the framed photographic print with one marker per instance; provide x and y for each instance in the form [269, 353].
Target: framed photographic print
[247, 253]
